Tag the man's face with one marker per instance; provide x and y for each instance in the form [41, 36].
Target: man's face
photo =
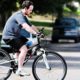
[29, 10]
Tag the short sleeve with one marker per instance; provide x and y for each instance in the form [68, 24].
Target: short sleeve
[20, 19]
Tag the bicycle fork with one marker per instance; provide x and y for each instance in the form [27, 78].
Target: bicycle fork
[45, 59]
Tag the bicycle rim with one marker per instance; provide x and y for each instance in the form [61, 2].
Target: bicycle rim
[5, 65]
[56, 63]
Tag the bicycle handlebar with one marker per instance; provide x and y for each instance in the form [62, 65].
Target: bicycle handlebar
[41, 33]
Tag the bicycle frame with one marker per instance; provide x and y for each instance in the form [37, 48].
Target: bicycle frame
[41, 54]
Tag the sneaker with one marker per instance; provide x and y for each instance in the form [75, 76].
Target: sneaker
[20, 73]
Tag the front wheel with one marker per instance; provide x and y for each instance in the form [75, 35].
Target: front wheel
[53, 68]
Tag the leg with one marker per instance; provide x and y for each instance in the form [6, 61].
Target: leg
[16, 55]
[23, 51]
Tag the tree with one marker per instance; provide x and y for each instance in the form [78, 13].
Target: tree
[6, 8]
[40, 6]
[48, 6]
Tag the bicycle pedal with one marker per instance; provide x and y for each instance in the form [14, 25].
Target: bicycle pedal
[15, 68]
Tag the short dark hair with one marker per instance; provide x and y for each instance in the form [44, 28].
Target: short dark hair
[26, 4]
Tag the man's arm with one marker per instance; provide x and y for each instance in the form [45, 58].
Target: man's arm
[28, 28]
[35, 28]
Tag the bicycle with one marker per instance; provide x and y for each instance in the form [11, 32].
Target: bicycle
[47, 65]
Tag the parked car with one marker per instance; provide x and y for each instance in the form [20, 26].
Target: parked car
[66, 28]
[23, 32]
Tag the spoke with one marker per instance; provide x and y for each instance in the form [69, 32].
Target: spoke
[5, 67]
[5, 62]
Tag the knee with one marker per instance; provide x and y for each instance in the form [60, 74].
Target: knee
[24, 49]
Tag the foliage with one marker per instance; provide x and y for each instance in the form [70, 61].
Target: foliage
[7, 5]
[40, 6]
[38, 23]
[44, 6]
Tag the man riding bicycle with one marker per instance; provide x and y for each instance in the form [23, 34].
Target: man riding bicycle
[11, 33]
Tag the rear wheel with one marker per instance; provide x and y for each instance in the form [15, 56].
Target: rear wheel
[57, 67]
[5, 65]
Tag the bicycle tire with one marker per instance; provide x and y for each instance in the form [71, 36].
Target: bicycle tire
[39, 71]
[5, 68]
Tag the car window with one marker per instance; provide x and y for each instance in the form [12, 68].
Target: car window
[68, 22]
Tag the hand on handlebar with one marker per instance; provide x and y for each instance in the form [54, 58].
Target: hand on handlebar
[41, 35]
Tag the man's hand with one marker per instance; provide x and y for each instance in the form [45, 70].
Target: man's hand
[39, 34]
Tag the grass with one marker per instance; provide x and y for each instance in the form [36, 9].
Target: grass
[47, 32]
[37, 23]
[46, 25]
[40, 21]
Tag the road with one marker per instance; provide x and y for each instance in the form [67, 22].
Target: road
[70, 52]
[73, 62]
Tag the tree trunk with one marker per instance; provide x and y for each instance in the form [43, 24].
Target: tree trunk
[3, 19]
[54, 37]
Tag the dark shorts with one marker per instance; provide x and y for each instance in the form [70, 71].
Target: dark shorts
[16, 43]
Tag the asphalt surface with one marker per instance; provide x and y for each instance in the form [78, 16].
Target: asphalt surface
[73, 63]
[71, 53]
